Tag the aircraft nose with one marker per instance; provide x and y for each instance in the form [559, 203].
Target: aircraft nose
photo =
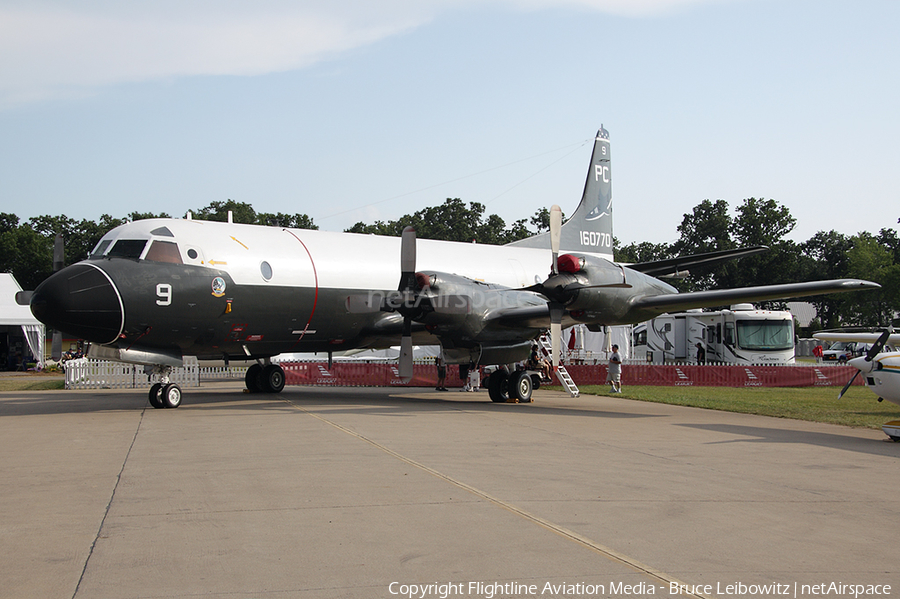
[80, 300]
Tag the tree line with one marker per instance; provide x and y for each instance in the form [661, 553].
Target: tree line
[26, 248]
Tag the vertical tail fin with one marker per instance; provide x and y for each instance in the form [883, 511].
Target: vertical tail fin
[590, 229]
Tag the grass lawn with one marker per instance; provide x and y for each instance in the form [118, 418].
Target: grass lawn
[859, 406]
[31, 382]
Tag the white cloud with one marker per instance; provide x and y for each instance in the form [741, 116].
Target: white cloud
[50, 49]
[54, 50]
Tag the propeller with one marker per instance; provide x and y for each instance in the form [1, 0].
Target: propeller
[556, 308]
[408, 292]
[860, 362]
[415, 300]
[555, 232]
[560, 287]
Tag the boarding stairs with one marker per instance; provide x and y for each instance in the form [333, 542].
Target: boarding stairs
[561, 373]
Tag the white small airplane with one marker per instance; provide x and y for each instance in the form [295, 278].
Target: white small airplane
[881, 369]
[153, 291]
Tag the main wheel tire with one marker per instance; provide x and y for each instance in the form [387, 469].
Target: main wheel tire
[253, 378]
[171, 396]
[520, 387]
[155, 396]
[273, 378]
[497, 386]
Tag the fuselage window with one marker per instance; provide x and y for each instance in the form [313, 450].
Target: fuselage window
[192, 254]
[266, 269]
[127, 248]
[164, 251]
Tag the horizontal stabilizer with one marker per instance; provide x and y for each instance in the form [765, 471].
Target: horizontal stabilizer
[661, 268]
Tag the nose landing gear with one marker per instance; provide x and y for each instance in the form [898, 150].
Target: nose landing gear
[164, 394]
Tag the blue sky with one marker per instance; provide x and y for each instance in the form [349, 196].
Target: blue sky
[349, 110]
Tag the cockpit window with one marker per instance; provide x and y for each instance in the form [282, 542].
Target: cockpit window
[101, 247]
[162, 232]
[127, 248]
[164, 251]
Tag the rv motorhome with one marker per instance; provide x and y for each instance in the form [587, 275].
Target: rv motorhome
[741, 335]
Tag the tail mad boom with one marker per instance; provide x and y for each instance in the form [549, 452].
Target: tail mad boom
[590, 229]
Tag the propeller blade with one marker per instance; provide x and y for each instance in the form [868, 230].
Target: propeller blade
[56, 346]
[556, 313]
[878, 345]
[408, 259]
[405, 368]
[609, 286]
[59, 252]
[555, 232]
[850, 382]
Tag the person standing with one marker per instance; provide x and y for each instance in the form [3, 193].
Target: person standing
[818, 352]
[701, 354]
[441, 374]
[614, 371]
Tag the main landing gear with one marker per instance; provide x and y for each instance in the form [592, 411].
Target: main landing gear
[513, 388]
[164, 394]
[265, 378]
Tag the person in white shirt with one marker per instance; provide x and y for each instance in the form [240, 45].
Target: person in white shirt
[614, 371]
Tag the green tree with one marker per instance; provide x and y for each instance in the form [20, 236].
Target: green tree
[870, 259]
[825, 256]
[26, 254]
[763, 222]
[290, 221]
[241, 212]
[133, 216]
[644, 251]
[706, 229]
[451, 221]
[80, 236]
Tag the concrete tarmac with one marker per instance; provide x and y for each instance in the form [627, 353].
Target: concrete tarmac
[365, 492]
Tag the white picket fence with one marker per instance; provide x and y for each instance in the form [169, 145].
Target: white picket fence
[90, 373]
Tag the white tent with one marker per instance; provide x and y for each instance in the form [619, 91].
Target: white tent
[12, 314]
[587, 345]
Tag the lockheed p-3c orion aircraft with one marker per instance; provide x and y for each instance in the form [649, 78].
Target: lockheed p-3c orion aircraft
[154, 291]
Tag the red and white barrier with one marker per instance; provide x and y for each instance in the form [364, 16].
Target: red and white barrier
[354, 374]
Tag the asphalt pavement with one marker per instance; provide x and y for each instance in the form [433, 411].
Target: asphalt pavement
[379, 492]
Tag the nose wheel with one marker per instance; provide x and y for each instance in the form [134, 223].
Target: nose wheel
[165, 396]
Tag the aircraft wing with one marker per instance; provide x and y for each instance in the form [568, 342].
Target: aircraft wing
[661, 268]
[654, 305]
[645, 307]
[893, 340]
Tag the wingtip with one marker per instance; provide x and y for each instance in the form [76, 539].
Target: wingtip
[861, 284]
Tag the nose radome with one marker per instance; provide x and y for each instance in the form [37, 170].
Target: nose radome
[82, 301]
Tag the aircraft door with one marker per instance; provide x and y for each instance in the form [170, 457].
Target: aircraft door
[680, 338]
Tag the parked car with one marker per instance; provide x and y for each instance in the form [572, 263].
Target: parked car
[841, 351]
